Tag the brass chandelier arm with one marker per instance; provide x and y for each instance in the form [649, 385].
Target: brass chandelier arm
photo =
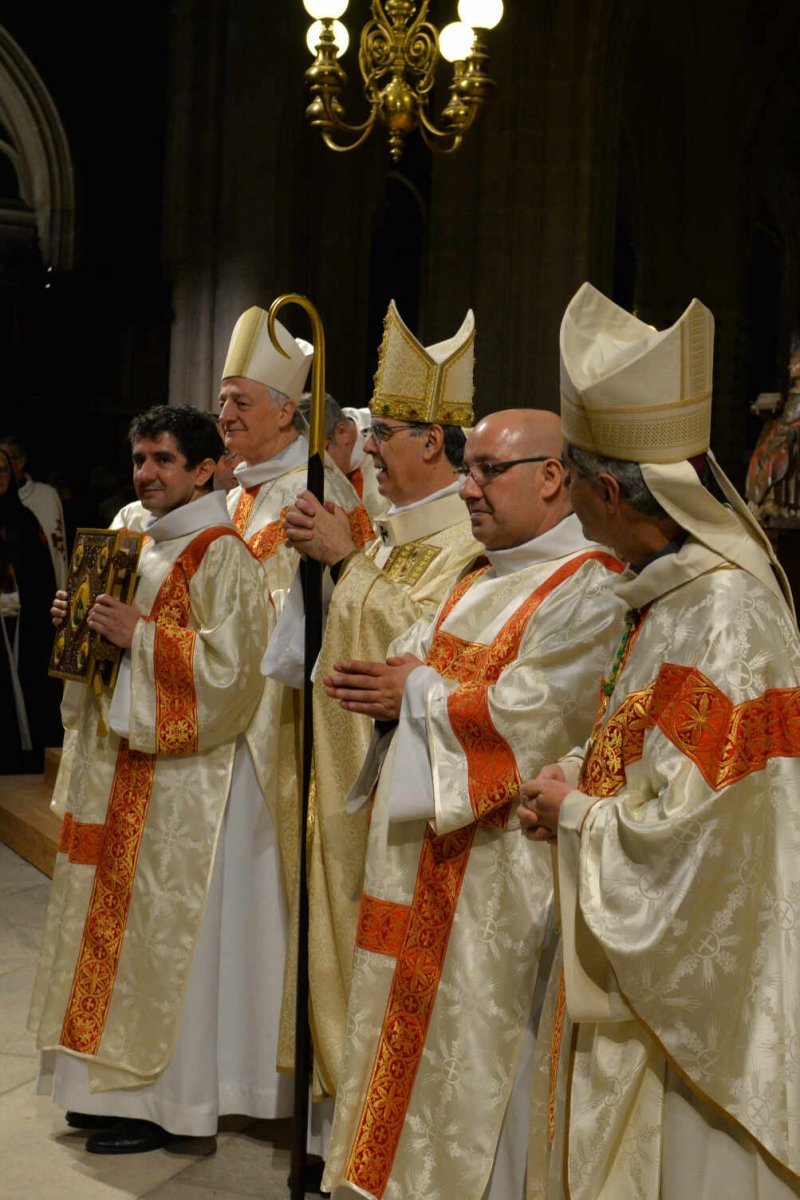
[335, 119]
[428, 128]
[327, 137]
[437, 142]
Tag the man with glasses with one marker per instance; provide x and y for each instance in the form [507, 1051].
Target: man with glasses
[669, 1044]
[259, 421]
[422, 398]
[434, 1093]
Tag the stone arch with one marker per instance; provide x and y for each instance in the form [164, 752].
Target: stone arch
[33, 141]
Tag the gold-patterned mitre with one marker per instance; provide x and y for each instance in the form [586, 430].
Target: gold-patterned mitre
[633, 392]
[424, 383]
[252, 355]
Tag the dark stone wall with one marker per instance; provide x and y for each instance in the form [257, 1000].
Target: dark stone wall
[651, 149]
[85, 349]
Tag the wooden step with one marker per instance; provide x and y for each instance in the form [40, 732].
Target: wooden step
[52, 761]
[26, 823]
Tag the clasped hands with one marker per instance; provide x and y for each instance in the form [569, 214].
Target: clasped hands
[320, 531]
[108, 616]
[542, 798]
[372, 688]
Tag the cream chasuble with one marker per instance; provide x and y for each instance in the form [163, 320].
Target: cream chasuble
[143, 812]
[455, 901]
[133, 516]
[673, 1071]
[257, 508]
[403, 576]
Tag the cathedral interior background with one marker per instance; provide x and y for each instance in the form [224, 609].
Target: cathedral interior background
[157, 181]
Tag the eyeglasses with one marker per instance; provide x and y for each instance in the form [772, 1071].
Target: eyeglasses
[382, 433]
[485, 472]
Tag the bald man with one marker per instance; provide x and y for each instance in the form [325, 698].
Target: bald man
[434, 1087]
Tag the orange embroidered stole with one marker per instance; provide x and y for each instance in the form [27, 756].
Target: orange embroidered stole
[267, 540]
[418, 935]
[113, 848]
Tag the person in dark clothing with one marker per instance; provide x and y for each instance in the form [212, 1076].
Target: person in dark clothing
[28, 697]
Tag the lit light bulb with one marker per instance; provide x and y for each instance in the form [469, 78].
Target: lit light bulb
[325, 8]
[480, 14]
[455, 41]
[340, 36]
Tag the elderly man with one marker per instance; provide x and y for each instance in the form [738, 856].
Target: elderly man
[143, 978]
[425, 542]
[669, 1063]
[434, 1091]
[43, 501]
[260, 421]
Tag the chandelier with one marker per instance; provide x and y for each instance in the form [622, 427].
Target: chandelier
[398, 53]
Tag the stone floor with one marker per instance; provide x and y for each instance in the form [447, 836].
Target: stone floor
[42, 1159]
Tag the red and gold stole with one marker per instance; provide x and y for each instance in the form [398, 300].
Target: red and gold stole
[267, 540]
[113, 848]
[417, 935]
[357, 480]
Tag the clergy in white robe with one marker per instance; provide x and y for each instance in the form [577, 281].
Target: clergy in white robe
[424, 542]
[144, 988]
[43, 501]
[260, 421]
[455, 906]
[361, 469]
[667, 1062]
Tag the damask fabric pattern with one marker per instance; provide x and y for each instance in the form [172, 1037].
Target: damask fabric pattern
[680, 889]
[378, 594]
[275, 734]
[435, 1028]
[256, 514]
[141, 828]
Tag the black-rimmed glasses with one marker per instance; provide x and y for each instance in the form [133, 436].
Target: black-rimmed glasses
[382, 432]
[484, 472]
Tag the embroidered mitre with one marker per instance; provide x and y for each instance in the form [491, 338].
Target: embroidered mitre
[424, 383]
[252, 355]
[633, 392]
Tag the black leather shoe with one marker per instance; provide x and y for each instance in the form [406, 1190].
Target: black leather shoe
[129, 1137]
[89, 1120]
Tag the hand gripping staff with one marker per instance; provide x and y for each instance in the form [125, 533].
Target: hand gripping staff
[312, 597]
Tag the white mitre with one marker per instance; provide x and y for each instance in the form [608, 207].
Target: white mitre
[632, 392]
[251, 355]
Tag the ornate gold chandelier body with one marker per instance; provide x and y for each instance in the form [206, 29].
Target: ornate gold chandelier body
[398, 55]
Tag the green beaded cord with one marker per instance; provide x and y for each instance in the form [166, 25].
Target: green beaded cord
[610, 683]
